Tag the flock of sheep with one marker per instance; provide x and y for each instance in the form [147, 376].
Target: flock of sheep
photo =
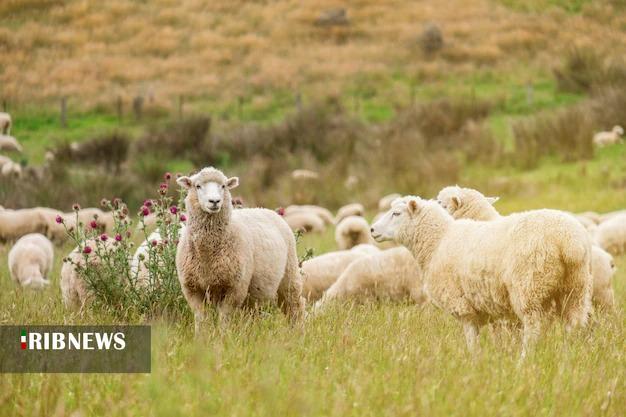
[456, 252]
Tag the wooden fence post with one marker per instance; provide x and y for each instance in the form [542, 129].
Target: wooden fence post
[64, 112]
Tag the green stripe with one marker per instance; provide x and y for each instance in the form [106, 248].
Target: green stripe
[23, 332]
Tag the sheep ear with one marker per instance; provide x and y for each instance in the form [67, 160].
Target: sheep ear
[184, 182]
[412, 207]
[492, 200]
[455, 202]
[232, 182]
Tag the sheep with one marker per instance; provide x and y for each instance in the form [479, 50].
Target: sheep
[601, 139]
[55, 231]
[230, 257]
[321, 212]
[17, 223]
[608, 216]
[138, 267]
[603, 268]
[305, 222]
[11, 169]
[351, 231]
[591, 215]
[384, 203]
[74, 289]
[30, 261]
[320, 272]
[354, 209]
[9, 143]
[5, 123]
[611, 234]
[513, 267]
[390, 274]
[471, 204]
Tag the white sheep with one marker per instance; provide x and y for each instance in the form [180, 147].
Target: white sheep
[601, 139]
[30, 261]
[608, 216]
[471, 204]
[352, 231]
[17, 223]
[230, 257]
[321, 212]
[305, 222]
[9, 143]
[5, 123]
[11, 169]
[391, 274]
[384, 203]
[354, 209]
[591, 215]
[138, 266]
[512, 267]
[322, 271]
[611, 234]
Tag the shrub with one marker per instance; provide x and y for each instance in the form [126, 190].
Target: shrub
[585, 70]
[431, 40]
[109, 150]
[113, 286]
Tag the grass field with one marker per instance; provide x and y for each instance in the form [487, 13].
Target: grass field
[374, 359]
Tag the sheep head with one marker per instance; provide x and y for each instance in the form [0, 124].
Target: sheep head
[209, 189]
[401, 212]
[453, 198]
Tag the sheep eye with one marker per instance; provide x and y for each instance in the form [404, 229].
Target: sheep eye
[223, 186]
[198, 186]
[395, 213]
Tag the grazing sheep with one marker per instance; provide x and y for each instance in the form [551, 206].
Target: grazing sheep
[74, 289]
[611, 234]
[5, 123]
[320, 272]
[471, 203]
[354, 209]
[512, 267]
[603, 269]
[390, 274]
[352, 231]
[586, 222]
[305, 222]
[321, 212]
[384, 203]
[30, 261]
[17, 223]
[9, 143]
[591, 215]
[601, 139]
[55, 231]
[230, 257]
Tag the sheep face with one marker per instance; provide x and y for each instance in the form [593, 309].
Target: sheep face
[400, 213]
[210, 188]
[619, 130]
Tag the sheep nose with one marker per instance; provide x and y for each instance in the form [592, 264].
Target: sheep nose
[371, 230]
[214, 202]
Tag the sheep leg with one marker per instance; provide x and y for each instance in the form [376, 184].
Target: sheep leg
[471, 330]
[290, 292]
[233, 299]
[195, 299]
[532, 329]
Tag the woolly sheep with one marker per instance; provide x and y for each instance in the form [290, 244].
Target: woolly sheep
[390, 274]
[74, 289]
[352, 231]
[611, 234]
[472, 203]
[305, 222]
[321, 212]
[354, 209]
[9, 143]
[30, 261]
[608, 216]
[56, 232]
[320, 272]
[231, 257]
[137, 265]
[511, 267]
[11, 169]
[601, 139]
[591, 215]
[384, 203]
[17, 223]
[5, 123]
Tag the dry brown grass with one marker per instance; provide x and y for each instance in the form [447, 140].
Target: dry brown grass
[224, 49]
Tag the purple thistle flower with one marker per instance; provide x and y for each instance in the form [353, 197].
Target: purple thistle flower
[59, 219]
[183, 218]
[87, 250]
[93, 224]
[167, 176]
[173, 209]
[104, 237]
[118, 237]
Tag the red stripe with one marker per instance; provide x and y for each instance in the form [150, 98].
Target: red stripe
[23, 345]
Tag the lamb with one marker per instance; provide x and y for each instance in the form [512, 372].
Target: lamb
[321, 212]
[384, 203]
[74, 289]
[30, 261]
[601, 139]
[230, 257]
[354, 209]
[513, 267]
[471, 204]
[390, 274]
[9, 143]
[5, 123]
[611, 234]
[17, 223]
[305, 222]
[320, 272]
[352, 231]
